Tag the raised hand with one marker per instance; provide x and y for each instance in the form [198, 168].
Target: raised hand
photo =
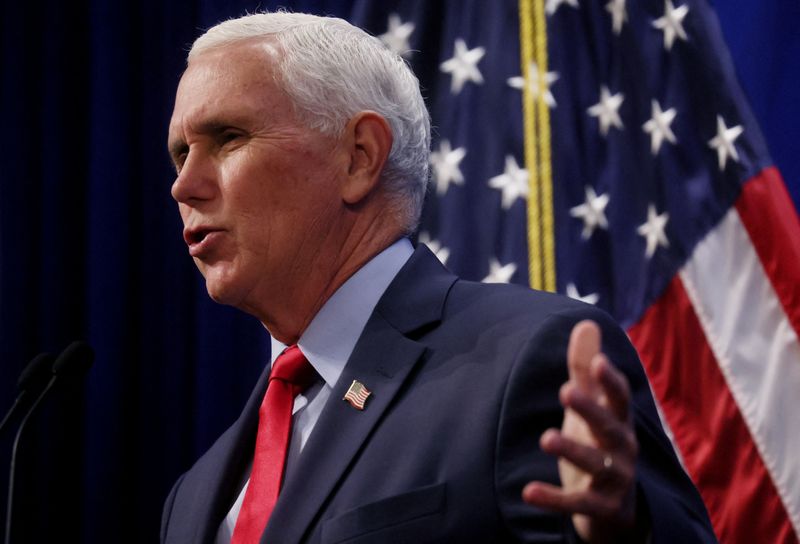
[596, 445]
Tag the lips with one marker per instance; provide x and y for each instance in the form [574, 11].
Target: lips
[200, 239]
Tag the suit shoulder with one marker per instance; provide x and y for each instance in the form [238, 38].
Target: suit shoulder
[508, 300]
[517, 313]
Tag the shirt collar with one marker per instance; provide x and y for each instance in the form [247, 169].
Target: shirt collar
[329, 339]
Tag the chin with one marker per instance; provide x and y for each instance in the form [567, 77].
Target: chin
[232, 287]
[217, 295]
[222, 289]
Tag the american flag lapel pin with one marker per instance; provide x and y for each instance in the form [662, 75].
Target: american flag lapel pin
[357, 395]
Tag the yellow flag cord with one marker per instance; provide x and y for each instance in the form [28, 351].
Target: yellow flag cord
[541, 241]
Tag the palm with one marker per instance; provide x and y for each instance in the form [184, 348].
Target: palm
[573, 478]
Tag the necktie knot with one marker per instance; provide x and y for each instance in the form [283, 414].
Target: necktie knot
[292, 367]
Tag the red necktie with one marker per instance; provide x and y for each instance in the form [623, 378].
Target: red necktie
[291, 374]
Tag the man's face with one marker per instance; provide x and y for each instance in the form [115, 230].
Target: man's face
[256, 190]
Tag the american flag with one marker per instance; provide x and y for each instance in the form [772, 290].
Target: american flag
[357, 395]
[604, 149]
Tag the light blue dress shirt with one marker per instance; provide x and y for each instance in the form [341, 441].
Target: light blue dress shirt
[327, 343]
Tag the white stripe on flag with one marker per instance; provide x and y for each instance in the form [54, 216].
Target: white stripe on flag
[756, 347]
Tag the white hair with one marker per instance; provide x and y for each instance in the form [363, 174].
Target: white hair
[332, 70]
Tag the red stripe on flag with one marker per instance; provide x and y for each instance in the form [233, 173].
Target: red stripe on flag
[767, 213]
[713, 439]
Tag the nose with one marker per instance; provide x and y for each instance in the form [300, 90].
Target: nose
[196, 181]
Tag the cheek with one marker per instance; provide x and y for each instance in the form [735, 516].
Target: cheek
[280, 194]
[246, 195]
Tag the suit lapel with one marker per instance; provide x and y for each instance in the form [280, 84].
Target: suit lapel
[382, 360]
[228, 458]
[339, 435]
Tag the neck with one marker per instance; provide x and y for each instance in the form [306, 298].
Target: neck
[298, 304]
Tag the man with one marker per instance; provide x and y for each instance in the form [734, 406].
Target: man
[476, 413]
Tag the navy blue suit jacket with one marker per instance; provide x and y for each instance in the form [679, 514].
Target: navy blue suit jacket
[464, 380]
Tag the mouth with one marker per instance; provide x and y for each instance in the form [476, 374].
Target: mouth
[195, 236]
[198, 238]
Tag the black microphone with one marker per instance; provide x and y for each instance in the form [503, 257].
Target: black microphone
[31, 380]
[74, 361]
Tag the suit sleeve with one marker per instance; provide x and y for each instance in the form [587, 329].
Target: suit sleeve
[673, 508]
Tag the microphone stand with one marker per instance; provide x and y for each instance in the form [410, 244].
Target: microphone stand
[75, 360]
[13, 464]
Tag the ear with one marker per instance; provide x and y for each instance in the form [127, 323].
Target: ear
[369, 140]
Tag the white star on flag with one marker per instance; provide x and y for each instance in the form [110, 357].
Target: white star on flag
[396, 37]
[653, 230]
[672, 23]
[618, 14]
[658, 127]
[607, 110]
[538, 83]
[513, 182]
[463, 66]
[441, 252]
[723, 142]
[553, 5]
[499, 273]
[592, 212]
[445, 163]
[572, 292]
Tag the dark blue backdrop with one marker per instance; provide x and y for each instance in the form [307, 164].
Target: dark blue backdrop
[91, 247]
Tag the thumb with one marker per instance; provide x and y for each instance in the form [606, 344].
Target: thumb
[584, 344]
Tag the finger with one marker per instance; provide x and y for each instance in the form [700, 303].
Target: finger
[593, 461]
[584, 344]
[552, 497]
[614, 384]
[607, 429]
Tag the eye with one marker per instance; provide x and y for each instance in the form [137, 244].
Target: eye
[178, 153]
[229, 136]
[178, 162]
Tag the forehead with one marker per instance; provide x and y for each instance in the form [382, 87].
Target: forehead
[236, 81]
